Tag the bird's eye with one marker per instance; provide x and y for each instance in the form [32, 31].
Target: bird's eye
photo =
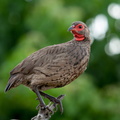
[80, 26]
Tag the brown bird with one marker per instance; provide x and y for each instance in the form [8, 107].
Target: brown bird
[54, 66]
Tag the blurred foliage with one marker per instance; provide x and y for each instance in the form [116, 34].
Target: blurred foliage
[28, 25]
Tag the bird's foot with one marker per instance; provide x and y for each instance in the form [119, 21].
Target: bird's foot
[44, 108]
[56, 101]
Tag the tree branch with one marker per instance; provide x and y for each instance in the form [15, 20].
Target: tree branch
[46, 113]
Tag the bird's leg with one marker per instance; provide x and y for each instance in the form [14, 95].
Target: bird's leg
[42, 104]
[54, 99]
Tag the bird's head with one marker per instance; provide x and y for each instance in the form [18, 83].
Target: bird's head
[79, 30]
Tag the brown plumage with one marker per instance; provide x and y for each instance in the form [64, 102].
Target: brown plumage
[54, 66]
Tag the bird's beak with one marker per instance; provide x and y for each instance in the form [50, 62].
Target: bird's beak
[70, 28]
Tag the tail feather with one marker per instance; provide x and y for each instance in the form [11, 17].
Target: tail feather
[14, 81]
[8, 87]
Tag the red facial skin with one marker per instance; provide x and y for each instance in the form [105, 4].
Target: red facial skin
[75, 30]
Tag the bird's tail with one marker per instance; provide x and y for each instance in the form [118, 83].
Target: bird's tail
[9, 86]
[13, 82]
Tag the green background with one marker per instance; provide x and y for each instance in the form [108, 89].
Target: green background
[28, 25]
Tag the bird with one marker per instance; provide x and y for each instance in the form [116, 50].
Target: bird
[54, 66]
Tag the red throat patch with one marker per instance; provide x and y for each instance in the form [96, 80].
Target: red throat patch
[77, 36]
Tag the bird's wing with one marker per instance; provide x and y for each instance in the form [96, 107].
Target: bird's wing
[46, 62]
[49, 57]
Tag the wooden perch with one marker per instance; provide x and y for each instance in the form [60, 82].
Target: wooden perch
[46, 113]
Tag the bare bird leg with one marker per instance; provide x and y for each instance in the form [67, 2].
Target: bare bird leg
[45, 114]
[54, 99]
[42, 104]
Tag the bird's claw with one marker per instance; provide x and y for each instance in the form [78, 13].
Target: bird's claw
[56, 101]
[45, 108]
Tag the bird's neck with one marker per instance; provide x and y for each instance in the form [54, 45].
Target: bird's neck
[84, 42]
[79, 37]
